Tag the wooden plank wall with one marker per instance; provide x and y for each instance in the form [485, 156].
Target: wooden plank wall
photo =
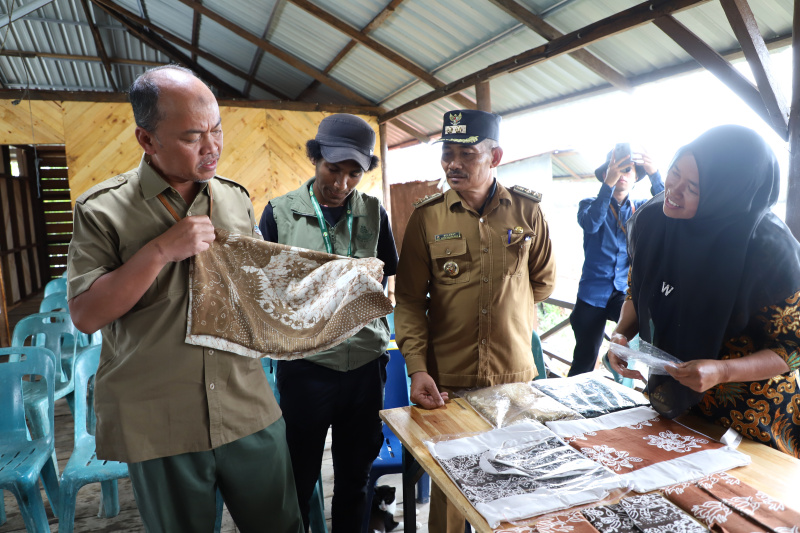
[15, 122]
[264, 149]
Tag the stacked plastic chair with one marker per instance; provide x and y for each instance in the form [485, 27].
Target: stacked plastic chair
[23, 461]
[84, 467]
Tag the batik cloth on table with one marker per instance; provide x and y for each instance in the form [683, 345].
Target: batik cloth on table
[573, 522]
[727, 505]
[511, 403]
[648, 451]
[648, 513]
[521, 471]
[591, 394]
[258, 298]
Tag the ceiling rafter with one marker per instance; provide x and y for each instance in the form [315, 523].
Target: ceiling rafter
[72, 57]
[582, 56]
[362, 38]
[98, 44]
[196, 33]
[200, 53]
[719, 67]
[259, 55]
[137, 27]
[20, 12]
[755, 50]
[624, 20]
[292, 60]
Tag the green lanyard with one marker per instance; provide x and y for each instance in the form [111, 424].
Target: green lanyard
[323, 225]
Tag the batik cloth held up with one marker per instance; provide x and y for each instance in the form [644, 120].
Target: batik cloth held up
[257, 298]
[727, 505]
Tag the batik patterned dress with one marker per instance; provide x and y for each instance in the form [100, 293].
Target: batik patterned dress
[766, 411]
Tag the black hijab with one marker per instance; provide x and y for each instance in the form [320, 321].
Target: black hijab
[697, 282]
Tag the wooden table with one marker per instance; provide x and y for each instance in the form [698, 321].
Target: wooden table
[771, 471]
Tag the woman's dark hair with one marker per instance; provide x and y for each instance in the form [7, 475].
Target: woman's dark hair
[314, 153]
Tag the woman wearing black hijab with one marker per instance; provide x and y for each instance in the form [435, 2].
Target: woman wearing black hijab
[715, 281]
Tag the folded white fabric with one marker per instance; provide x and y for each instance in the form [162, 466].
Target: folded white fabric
[648, 451]
[521, 471]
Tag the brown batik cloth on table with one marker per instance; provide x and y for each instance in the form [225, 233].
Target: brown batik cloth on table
[573, 522]
[727, 505]
[258, 298]
[646, 450]
[648, 513]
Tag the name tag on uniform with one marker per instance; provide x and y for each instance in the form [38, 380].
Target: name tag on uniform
[448, 236]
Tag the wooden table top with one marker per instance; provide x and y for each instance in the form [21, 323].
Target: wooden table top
[771, 471]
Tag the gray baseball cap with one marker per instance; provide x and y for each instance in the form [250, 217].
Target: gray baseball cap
[343, 137]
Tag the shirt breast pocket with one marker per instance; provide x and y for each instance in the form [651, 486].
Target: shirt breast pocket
[516, 253]
[450, 261]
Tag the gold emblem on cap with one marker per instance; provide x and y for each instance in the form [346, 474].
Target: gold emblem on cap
[451, 269]
[518, 229]
[455, 119]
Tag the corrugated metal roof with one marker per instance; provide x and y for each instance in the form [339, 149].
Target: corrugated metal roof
[447, 39]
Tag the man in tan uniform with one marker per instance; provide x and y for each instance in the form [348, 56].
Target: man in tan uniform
[474, 262]
[189, 420]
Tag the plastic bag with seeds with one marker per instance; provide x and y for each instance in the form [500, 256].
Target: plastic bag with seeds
[504, 405]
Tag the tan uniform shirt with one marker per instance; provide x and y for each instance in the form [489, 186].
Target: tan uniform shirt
[475, 327]
[157, 396]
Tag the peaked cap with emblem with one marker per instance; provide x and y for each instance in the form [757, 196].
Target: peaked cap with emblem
[469, 126]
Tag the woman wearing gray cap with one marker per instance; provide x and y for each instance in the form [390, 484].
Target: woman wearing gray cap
[342, 387]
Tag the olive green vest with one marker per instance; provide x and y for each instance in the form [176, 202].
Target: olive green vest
[298, 226]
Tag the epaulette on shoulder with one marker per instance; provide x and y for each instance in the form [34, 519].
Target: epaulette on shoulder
[527, 193]
[427, 199]
[111, 183]
[236, 183]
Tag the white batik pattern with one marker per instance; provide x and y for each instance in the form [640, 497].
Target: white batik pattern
[672, 442]
[610, 457]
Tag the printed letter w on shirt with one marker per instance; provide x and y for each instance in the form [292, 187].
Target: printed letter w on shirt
[666, 289]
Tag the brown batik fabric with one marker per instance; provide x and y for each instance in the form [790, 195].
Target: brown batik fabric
[610, 519]
[573, 522]
[727, 505]
[646, 450]
[258, 298]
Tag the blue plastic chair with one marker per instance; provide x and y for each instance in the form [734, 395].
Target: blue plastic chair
[55, 301]
[390, 459]
[53, 331]
[538, 356]
[316, 515]
[84, 467]
[23, 461]
[55, 285]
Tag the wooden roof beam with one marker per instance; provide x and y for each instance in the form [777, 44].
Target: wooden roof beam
[20, 12]
[196, 33]
[98, 44]
[277, 52]
[72, 57]
[259, 55]
[361, 37]
[583, 56]
[414, 132]
[188, 46]
[148, 37]
[624, 20]
[755, 50]
[717, 65]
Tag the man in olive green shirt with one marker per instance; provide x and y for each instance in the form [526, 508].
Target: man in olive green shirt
[474, 262]
[187, 419]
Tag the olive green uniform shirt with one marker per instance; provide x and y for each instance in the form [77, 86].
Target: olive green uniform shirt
[466, 290]
[155, 395]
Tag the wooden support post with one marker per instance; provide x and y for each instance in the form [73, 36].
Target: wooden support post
[387, 193]
[793, 191]
[483, 94]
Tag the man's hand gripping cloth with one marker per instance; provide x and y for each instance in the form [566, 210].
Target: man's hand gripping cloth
[258, 298]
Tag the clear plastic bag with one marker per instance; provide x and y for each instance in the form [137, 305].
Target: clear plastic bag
[521, 471]
[504, 405]
[591, 394]
[647, 355]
